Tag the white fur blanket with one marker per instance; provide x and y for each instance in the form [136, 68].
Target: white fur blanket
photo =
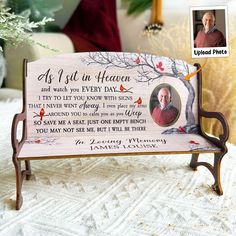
[142, 195]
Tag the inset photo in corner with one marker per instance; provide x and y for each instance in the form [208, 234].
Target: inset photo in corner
[165, 105]
[209, 31]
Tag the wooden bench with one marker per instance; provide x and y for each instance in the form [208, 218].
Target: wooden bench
[106, 104]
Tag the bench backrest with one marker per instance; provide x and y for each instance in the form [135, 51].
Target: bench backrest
[106, 93]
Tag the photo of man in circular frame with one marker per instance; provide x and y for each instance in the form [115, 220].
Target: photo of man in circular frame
[165, 105]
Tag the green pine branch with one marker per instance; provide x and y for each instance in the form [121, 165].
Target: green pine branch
[17, 29]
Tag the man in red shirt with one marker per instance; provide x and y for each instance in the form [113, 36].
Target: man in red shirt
[165, 113]
[209, 36]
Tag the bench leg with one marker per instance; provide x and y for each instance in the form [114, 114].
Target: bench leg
[20, 176]
[19, 180]
[216, 173]
[193, 163]
[29, 175]
[215, 169]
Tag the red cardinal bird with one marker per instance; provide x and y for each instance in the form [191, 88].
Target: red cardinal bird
[37, 141]
[137, 60]
[139, 101]
[41, 114]
[193, 142]
[122, 88]
[181, 130]
[159, 66]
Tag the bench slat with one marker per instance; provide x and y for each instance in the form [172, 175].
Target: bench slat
[92, 146]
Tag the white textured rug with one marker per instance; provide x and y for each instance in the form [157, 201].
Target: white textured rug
[146, 195]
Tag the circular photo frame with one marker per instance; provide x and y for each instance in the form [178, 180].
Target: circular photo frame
[165, 105]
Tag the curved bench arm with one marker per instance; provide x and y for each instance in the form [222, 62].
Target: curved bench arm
[219, 116]
[15, 143]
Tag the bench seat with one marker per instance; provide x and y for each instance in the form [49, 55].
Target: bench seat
[39, 148]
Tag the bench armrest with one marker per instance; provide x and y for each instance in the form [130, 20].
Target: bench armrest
[219, 116]
[15, 143]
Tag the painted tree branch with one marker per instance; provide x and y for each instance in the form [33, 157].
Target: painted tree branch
[148, 71]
